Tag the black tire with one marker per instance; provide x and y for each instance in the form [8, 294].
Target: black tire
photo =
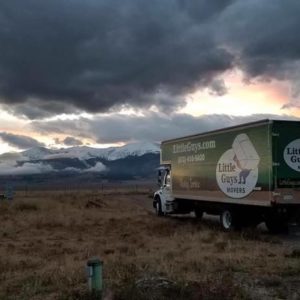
[277, 222]
[229, 220]
[276, 226]
[198, 213]
[158, 209]
[248, 221]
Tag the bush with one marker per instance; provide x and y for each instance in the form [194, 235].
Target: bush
[26, 206]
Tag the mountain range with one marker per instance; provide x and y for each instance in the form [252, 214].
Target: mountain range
[40, 164]
[85, 153]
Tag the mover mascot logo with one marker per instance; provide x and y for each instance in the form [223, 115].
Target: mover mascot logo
[237, 168]
[291, 155]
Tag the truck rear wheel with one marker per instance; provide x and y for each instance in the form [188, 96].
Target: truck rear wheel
[276, 226]
[228, 220]
[277, 222]
[198, 213]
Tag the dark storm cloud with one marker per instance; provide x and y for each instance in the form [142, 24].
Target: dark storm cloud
[69, 141]
[96, 55]
[59, 56]
[37, 109]
[218, 87]
[264, 35]
[153, 127]
[19, 141]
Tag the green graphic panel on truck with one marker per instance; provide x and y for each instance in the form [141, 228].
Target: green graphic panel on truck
[235, 161]
[286, 153]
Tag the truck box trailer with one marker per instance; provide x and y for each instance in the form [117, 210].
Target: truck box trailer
[247, 174]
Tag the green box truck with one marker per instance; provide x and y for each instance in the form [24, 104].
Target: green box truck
[247, 174]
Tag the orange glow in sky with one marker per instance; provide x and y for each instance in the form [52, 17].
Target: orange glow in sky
[242, 99]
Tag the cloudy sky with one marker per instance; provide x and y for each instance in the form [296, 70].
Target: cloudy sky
[111, 72]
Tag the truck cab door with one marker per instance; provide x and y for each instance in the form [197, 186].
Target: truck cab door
[167, 187]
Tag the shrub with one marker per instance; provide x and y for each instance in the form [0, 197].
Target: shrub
[26, 206]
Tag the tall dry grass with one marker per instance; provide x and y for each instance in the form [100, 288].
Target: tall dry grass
[46, 239]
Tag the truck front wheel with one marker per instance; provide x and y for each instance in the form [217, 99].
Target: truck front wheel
[158, 209]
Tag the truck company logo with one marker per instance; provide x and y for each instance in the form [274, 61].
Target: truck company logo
[237, 169]
[291, 155]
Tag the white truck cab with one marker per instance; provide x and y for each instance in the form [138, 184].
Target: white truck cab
[163, 200]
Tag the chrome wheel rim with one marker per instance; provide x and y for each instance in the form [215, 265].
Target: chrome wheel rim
[226, 219]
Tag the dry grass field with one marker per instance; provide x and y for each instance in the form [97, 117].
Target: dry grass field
[47, 237]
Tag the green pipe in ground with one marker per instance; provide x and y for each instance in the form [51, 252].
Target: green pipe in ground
[95, 274]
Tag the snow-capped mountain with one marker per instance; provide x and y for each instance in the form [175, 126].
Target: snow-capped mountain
[138, 160]
[137, 149]
[35, 153]
[85, 153]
